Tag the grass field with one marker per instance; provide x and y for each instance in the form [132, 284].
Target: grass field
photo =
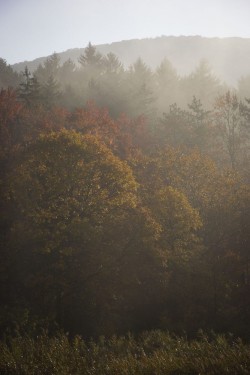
[151, 353]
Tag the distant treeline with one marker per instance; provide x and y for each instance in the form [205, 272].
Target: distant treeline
[135, 90]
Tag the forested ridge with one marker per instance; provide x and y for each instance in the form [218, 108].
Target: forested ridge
[122, 211]
[228, 57]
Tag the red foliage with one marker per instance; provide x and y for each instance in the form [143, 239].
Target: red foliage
[123, 135]
[42, 120]
[10, 112]
[95, 121]
[133, 135]
[20, 124]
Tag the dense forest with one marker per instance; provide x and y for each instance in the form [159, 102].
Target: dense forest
[125, 207]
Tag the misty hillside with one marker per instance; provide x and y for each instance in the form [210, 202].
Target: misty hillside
[228, 57]
[125, 207]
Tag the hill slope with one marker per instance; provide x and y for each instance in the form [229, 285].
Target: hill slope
[228, 57]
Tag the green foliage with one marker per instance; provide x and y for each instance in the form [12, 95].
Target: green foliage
[167, 85]
[30, 89]
[50, 68]
[201, 83]
[140, 88]
[51, 92]
[90, 57]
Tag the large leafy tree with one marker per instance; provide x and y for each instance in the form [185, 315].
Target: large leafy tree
[78, 235]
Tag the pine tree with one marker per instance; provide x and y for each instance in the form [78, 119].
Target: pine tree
[30, 89]
[51, 92]
[90, 57]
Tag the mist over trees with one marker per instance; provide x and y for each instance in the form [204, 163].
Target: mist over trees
[125, 198]
[110, 82]
[229, 57]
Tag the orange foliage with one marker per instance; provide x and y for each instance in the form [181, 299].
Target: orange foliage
[95, 121]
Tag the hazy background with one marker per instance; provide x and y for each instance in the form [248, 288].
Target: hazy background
[33, 28]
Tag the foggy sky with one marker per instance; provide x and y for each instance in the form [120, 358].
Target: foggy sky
[34, 28]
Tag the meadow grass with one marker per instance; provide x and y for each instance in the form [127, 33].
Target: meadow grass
[151, 353]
